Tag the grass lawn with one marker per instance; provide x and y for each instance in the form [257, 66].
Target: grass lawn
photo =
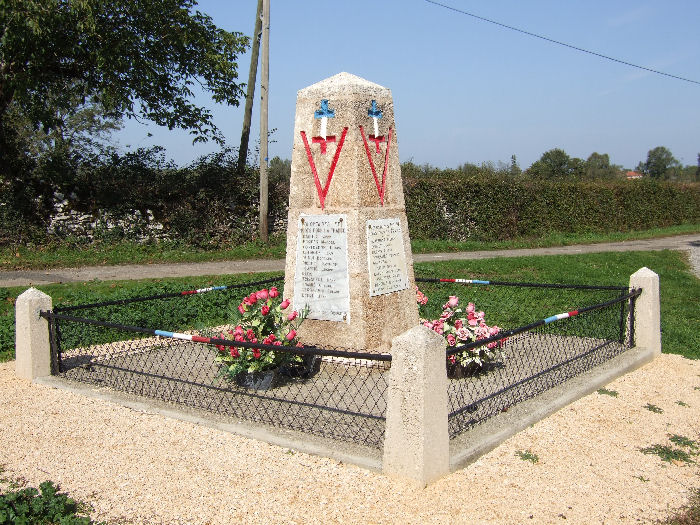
[98, 254]
[680, 290]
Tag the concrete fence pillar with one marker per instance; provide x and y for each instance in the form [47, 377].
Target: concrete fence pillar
[647, 311]
[32, 346]
[416, 442]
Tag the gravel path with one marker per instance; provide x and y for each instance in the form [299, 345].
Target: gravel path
[146, 468]
[152, 271]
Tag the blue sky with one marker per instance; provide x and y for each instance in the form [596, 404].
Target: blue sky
[469, 91]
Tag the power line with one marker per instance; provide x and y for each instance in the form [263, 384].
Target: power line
[564, 44]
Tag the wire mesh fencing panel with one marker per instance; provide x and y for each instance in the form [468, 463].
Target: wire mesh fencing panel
[170, 309]
[509, 305]
[332, 393]
[535, 359]
[337, 394]
[541, 350]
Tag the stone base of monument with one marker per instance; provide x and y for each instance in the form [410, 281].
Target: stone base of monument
[362, 314]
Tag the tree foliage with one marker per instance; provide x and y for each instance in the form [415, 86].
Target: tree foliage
[71, 69]
[598, 167]
[138, 58]
[556, 164]
[660, 164]
[78, 131]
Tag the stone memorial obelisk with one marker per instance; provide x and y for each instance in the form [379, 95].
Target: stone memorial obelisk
[348, 250]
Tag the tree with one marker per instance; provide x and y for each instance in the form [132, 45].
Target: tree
[514, 169]
[136, 58]
[598, 166]
[81, 129]
[72, 68]
[660, 163]
[555, 164]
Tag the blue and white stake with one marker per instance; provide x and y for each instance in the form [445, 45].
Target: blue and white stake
[464, 281]
[185, 337]
[558, 317]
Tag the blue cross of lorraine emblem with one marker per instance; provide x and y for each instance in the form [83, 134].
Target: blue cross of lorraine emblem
[376, 114]
[324, 114]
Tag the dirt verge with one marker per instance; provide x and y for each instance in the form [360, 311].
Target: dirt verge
[150, 469]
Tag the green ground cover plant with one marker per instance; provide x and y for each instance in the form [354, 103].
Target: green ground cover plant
[527, 455]
[548, 240]
[43, 506]
[669, 454]
[683, 441]
[680, 290]
[72, 255]
[653, 408]
[606, 392]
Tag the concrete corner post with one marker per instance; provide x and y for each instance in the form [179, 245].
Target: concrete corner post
[416, 442]
[32, 346]
[647, 313]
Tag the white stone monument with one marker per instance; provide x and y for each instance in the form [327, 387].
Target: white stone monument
[348, 251]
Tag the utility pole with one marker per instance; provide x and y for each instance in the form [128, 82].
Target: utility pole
[252, 78]
[264, 92]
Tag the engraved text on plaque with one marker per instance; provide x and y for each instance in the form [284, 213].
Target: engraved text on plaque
[386, 257]
[321, 279]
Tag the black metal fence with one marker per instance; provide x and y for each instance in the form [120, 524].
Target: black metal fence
[340, 394]
[596, 324]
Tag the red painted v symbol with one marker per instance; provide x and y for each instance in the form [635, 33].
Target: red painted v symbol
[381, 188]
[322, 192]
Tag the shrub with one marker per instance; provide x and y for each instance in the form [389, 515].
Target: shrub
[45, 506]
[140, 195]
[450, 205]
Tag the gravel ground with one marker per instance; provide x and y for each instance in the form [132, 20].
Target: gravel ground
[143, 468]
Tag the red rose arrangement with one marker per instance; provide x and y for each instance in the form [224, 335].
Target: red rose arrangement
[265, 318]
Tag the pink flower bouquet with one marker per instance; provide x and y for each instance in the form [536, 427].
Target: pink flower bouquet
[460, 327]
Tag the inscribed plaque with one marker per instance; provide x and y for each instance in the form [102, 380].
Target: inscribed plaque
[321, 279]
[386, 257]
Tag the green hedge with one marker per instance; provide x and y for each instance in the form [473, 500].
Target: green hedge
[449, 205]
[208, 204]
[205, 203]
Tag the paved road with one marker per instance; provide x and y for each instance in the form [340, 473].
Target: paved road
[146, 271]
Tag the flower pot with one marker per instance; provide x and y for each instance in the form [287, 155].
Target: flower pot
[472, 369]
[308, 367]
[459, 371]
[264, 380]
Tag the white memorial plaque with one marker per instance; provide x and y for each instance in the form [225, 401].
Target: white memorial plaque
[321, 279]
[386, 257]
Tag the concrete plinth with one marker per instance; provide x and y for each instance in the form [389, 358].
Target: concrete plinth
[32, 347]
[416, 442]
[345, 163]
[647, 310]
